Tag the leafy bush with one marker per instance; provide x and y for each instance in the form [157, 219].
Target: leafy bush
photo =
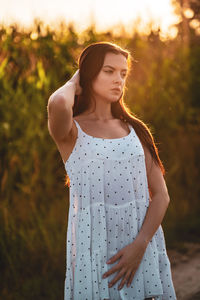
[162, 90]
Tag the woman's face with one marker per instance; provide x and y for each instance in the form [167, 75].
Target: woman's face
[112, 76]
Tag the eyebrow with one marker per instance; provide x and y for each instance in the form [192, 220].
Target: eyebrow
[113, 68]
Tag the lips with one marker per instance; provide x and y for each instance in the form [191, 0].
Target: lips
[116, 89]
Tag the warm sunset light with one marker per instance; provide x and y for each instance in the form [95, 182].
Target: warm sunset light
[99, 149]
[141, 15]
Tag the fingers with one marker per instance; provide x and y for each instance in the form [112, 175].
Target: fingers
[130, 279]
[78, 90]
[76, 78]
[114, 258]
[112, 270]
[126, 277]
[76, 73]
[117, 277]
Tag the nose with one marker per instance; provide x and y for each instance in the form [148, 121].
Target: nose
[118, 78]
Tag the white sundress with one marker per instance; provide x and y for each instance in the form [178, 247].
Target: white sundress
[109, 198]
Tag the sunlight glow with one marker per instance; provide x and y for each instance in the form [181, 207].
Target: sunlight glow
[195, 23]
[104, 14]
[188, 13]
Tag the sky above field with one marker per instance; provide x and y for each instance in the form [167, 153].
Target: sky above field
[104, 13]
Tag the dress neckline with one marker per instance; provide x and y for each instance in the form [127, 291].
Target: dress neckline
[105, 139]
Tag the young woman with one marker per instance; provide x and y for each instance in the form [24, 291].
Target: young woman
[118, 196]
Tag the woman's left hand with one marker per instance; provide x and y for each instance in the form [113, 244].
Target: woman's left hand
[131, 256]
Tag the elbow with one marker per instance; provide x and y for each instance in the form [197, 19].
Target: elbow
[161, 197]
[49, 105]
[166, 198]
[55, 100]
[49, 129]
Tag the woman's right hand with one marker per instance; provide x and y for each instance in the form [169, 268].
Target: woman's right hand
[68, 90]
[76, 79]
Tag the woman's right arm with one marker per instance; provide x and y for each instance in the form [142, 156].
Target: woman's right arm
[60, 109]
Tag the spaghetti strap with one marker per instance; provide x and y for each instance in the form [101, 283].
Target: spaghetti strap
[114, 139]
[76, 123]
[109, 198]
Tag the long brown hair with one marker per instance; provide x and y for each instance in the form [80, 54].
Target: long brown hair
[90, 63]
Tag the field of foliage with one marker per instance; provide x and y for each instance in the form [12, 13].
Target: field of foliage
[163, 90]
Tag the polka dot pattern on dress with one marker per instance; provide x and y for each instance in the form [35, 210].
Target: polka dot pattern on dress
[109, 199]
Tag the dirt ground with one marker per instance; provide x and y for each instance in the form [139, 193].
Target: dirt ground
[185, 265]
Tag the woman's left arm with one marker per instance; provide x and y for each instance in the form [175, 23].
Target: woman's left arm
[159, 200]
[131, 255]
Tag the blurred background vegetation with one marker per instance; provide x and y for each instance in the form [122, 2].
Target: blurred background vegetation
[163, 90]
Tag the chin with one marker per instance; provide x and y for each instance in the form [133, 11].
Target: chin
[117, 98]
[113, 99]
